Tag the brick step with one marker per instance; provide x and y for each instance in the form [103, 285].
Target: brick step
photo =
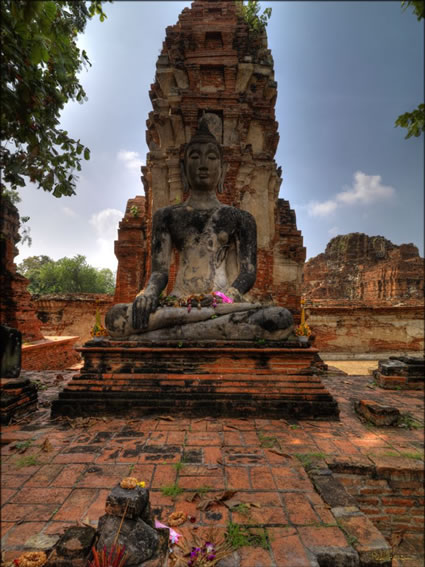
[204, 378]
[108, 403]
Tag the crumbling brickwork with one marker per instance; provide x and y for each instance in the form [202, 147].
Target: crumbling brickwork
[16, 307]
[212, 63]
[368, 269]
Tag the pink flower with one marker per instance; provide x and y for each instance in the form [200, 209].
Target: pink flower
[223, 297]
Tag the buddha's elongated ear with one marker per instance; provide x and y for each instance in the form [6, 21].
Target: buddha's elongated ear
[184, 177]
[220, 186]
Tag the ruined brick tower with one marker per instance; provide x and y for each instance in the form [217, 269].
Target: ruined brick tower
[212, 63]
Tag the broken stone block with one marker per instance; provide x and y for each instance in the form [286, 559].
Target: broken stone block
[73, 547]
[141, 540]
[376, 413]
[131, 501]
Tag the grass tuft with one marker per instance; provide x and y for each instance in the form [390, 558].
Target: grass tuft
[172, 490]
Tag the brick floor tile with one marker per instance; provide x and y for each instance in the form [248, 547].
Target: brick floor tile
[24, 472]
[160, 454]
[158, 499]
[241, 424]
[198, 425]
[103, 476]
[164, 475]
[64, 458]
[32, 495]
[262, 515]
[325, 515]
[12, 481]
[244, 456]
[57, 528]
[255, 557]
[195, 482]
[131, 450]
[76, 505]
[69, 475]
[315, 536]
[299, 509]
[287, 548]
[110, 454]
[232, 438]
[143, 473]
[280, 458]
[5, 527]
[97, 508]
[7, 494]
[237, 478]
[204, 438]
[27, 512]
[176, 437]
[21, 532]
[261, 478]
[216, 516]
[214, 426]
[263, 499]
[287, 479]
[201, 470]
[44, 476]
[249, 437]
[212, 455]
[157, 438]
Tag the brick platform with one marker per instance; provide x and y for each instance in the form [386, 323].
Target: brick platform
[225, 380]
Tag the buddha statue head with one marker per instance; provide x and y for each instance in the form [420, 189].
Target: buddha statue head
[203, 161]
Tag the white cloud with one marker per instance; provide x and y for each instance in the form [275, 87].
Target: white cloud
[105, 224]
[366, 189]
[316, 209]
[132, 160]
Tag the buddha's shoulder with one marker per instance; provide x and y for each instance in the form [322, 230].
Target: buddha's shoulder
[235, 213]
[169, 210]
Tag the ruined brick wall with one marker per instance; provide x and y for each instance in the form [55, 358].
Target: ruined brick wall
[392, 496]
[16, 308]
[130, 249]
[366, 329]
[71, 314]
[212, 63]
[367, 269]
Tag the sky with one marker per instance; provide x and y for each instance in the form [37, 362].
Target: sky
[345, 72]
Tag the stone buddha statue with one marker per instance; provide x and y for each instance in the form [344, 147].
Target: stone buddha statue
[217, 254]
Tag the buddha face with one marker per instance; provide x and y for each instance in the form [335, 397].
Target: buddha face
[203, 166]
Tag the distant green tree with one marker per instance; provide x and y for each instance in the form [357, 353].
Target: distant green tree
[40, 66]
[414, 121]
[67, 275]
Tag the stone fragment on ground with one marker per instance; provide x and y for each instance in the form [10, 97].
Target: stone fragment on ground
[378, 414]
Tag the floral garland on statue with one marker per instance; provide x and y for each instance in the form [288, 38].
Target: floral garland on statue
[195, 300]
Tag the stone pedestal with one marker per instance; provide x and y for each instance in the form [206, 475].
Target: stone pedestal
[121, 378]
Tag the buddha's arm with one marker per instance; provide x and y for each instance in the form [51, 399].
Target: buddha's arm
[146, 301]
[246, 237]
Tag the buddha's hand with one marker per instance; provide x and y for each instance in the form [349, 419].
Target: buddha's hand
[234, 294]
[143, 306]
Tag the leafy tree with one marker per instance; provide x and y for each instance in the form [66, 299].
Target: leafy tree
[40, 63]
[67, 275]
[250, 11]
[414, 121]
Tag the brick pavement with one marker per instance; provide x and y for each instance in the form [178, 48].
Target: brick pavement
[45, 491]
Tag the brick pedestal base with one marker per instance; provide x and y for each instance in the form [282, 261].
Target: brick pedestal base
[120, 378]
[18, 396]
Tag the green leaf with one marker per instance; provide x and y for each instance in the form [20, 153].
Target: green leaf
[86, 154]
[36, 54]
